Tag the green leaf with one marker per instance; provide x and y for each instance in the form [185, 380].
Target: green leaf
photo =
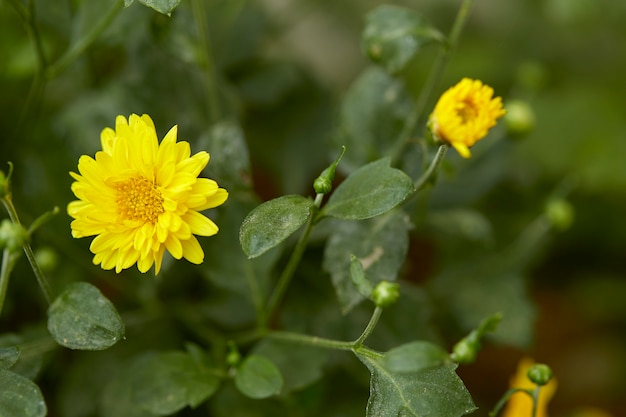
[8, 356]
[426, 392]
[230, 160]
[414, 357]
[165, 382]
[257, 377]
[162, 6]
[82, 318]
[19, 396]
[363, 286]
[394, 35]
[369, 191]
[272, 222]
[380, 244]
[128, 2]
[299, 365]
[373, 115]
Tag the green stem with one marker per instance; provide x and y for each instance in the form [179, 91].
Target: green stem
[369, 328]
[79, 47]
[311, 340]
[505, 398]
[417, 117]
[5, 271]
[432, 169]
[199, 16]
[535, 396]
[30, 255]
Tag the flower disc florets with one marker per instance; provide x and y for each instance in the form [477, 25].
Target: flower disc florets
[139, 197]
[464, 114]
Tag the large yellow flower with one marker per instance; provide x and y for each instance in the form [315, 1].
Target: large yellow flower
[139, 197]
[520, 404]
[464, 114]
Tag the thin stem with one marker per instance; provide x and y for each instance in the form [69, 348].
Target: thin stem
[5, 272]
[312, 340]
[432, 169]
[199, 16]
[369, 328]
[30, 255]
[417, 117]
[79, 47]
[535, 400]
[505, 398]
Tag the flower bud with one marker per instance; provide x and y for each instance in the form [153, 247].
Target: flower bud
[560, 213]
[324, 183]
[47, 258]
[540, 374]
[12, 235]
[385, 293]
[465, 351]
[519, 119]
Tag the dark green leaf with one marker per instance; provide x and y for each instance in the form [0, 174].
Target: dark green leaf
[380, 244]
[394, 35]
[19, 396]
[427, 392]
[272, 222]
[162, 6]
[257, 377]
[373, 115]
[82, 318]
[299, 365]
[166, 382]
[414, 357]
[369, 191]
[8, 356]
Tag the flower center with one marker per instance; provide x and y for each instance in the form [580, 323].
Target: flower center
[467, 111]
[139, 199]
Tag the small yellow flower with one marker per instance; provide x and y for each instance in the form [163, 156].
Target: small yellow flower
[520, 404]
[464, 114]
[139, 197]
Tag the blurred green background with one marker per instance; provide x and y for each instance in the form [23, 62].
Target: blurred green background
[282, 69]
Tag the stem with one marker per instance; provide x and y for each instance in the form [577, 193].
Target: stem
[417, 117]
[312, 340]
[432, 169]
[199, 16]
[505, 398]
[28, 250]
[79, 47]
[5, 272]
[535, 396]
[369, 328]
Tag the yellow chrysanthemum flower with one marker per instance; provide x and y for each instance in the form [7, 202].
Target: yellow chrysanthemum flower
[520, 404]
[464, 114]
[139, 197]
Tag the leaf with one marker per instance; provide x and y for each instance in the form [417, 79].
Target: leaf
[380, 244]
[165, 382]
[272, 222]
[19, 396]
[162, 6]
[394, 35]
[414, 357]
[373, 115]
[82, 318]
[230, 160]
[128, 2]
[257, 377]
[369, 191]
[8, 356]
[362, 285]
[299, 365]
[427, 392]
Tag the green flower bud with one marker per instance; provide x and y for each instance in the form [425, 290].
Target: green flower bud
[540, 374]
[519, 119]
[385, 293]
[560, 213]
[465, 351]
[47, 258]
[233, 357]
[12, 235]
[324, 183]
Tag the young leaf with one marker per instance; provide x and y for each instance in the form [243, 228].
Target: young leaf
[162, 6]
[369, 191]
[272, 222]
[82, 318]
[362, 285]
[257, 377]
[394, 35]
[414, 357]
[165, 382]
[380, 244]
[19, 396]
[8, 356]
[434, 391]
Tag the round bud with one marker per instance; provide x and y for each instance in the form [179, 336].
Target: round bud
[12, 235]
[464, 351]
[324, 183]
[385, 293]
[560, 213]
[540, 374]
[519, 119]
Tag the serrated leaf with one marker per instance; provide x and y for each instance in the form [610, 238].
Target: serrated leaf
[8, 356]
[166, 382]
[19, 396]
[82, 318]
[394, 35]
[257, 377]
[161, 6]
[272, 222]
[427, 392]
[369, 191]
[380, 244]
[414, 357]
[373, 115]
